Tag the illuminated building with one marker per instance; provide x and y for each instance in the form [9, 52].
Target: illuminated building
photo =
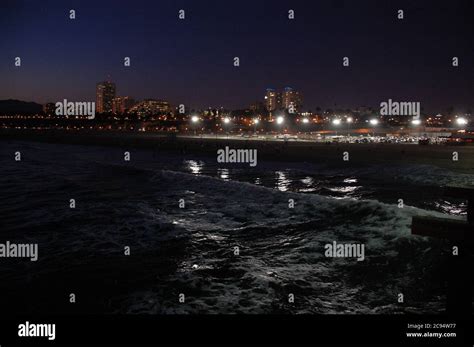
[291, 97]
[272, 100]
[105, 93]
[276, 100]
[150, 107]
[122, 104]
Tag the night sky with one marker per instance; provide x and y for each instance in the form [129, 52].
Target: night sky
[191, 61]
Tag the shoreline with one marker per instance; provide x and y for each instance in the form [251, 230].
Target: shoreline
[291, 151]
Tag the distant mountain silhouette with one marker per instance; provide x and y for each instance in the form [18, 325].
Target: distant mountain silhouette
[17, 106]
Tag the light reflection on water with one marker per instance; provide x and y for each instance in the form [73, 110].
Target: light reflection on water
[335, 186]
[451, 208]
[223, 174]
[307, 190]
[282, 182]
[308, 181]
[194, 166]
[350, 180]
[347, 189]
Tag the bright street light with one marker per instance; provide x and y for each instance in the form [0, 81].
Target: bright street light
[374, 122]
[349, 120]
[416, 122]
[336, 121]
[226, 120]
[255, 122]
[280, 120]
[461, 121]
[305, 120]
[194, 119]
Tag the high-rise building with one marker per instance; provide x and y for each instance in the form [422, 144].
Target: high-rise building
[291, 97]
[105, 93]
[122, 104]
[275, 100]
[272, 100]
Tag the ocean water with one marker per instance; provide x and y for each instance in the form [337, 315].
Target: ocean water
[190, 250]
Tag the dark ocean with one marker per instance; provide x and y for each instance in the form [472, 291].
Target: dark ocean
[190, 250]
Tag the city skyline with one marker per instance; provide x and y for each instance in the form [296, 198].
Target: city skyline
[177, 60]
[107, 100]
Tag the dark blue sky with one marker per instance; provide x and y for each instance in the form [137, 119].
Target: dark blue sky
[191, 61]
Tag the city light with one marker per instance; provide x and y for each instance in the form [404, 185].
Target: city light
[305, 120]
[416, 122]
[374, 121]
[256, 121]
[194, 119]
[349, 120]
[336, 121]
[226, 120]
[461, 121]
[280, 120]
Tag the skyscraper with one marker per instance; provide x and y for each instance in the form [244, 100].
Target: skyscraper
[105, 93]
[291, 97]
[272, 100]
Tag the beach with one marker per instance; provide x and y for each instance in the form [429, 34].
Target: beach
[290, 151]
